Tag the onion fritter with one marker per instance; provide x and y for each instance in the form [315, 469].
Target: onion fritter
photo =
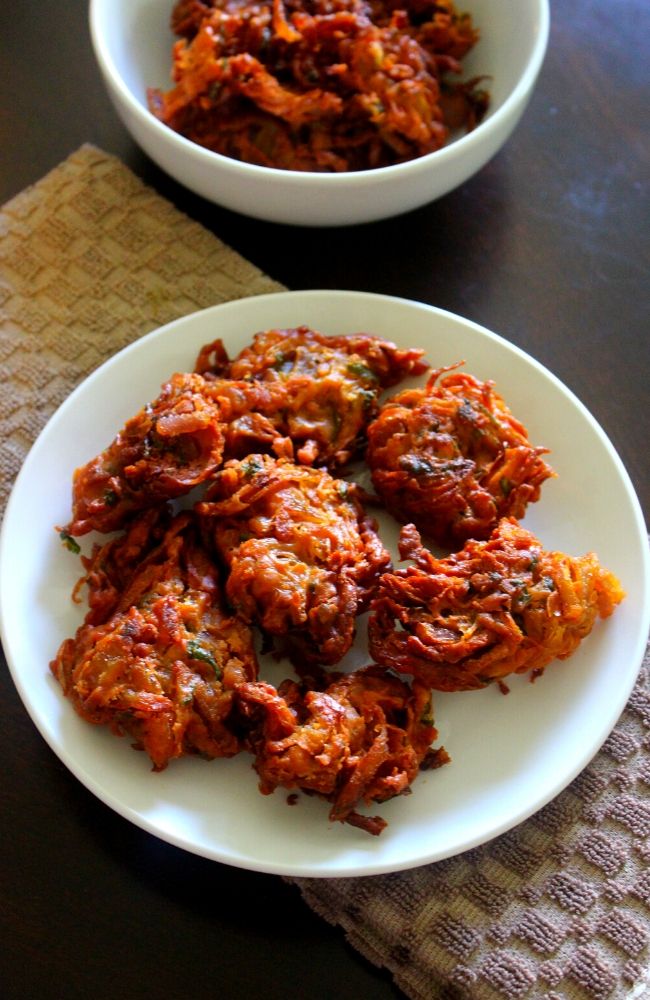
[172, 445]
[331, 384]
[302, 555]
[452, 459]
[163, 664]
[361, 739]
[497, 607]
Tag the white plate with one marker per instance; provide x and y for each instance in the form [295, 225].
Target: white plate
[510, 754]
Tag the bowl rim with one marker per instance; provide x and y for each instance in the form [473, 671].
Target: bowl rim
[209, 157]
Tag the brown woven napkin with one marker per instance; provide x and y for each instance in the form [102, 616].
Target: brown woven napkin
[91, 259]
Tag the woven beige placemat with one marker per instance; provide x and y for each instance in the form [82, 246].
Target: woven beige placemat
[91, 259]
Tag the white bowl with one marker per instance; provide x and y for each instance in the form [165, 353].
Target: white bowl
[132, 43]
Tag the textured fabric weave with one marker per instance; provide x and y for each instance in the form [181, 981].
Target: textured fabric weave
[91, 259]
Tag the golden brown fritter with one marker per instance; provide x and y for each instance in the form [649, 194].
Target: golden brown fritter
[303, 558]
[497, 607]
[158, 658]
[363, 738]
[170, 446]
[452, 459]
[331, 385]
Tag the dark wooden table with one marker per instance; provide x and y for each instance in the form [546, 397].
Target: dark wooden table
[547, 246]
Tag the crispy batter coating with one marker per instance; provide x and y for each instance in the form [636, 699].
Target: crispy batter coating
[158, 658]
[302, 555]
[331, 385]
[362, 738]
[324, 85]
[170, 446]
[452, 459]
[252, 414]
[112, 565]
[497, 607]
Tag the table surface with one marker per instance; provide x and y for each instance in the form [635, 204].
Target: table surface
[547, 246]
